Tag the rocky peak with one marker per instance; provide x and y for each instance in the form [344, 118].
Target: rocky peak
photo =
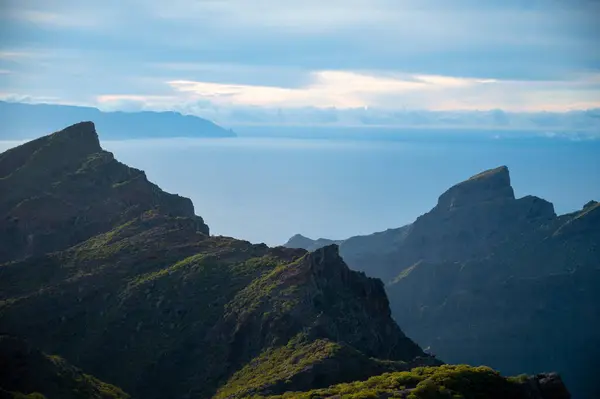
[490, 185]
[53, 151]
[337, 290]
[82, 135]
[327, 266]
[63, 188]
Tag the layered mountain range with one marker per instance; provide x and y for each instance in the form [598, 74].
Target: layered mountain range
[106, 281]
[25, 121]
[487, 278]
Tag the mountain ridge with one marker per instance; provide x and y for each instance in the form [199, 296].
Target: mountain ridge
[474, 260]
[63, 176]
[104, 266]
[128, 284]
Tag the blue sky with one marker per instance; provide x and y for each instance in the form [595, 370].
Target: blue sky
[206, 55]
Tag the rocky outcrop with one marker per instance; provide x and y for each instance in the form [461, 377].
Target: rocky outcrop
[63, 188]
[470, 220]
[489, 186]
[545, 386]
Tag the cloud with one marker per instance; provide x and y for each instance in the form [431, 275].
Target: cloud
[132, 102]
[494, 39]
[342, 89]
[388, 54]
[24, 98]
[50, 19]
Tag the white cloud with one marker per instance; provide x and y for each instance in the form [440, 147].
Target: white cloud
[135, 102]
[24, 98]
[242, 53]
[343, 89]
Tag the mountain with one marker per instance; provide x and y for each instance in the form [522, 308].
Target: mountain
[103, 268]
[25, 121]
[123, 280]
[26, 373]
[63, 188]
[486, 278]
[299, 241]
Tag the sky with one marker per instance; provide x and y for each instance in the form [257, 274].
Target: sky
[207, 57]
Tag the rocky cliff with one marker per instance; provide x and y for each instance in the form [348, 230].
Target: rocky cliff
[487, 278]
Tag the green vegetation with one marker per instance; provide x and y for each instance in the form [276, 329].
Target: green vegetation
[319, 362]
[443, 382]
[278, 366]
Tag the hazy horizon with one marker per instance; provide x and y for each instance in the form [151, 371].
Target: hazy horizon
[265, 189]
[234, 61]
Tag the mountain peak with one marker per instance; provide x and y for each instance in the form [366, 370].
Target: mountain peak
[81, 136]
[298, 241]
[490, 185]
[65, 181]
[486, 174]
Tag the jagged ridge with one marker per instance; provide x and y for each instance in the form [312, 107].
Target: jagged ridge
[144, 298]
[486, 278]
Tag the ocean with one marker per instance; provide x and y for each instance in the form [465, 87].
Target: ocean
[267, 188]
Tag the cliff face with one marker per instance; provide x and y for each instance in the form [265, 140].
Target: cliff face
[124, 281]
[63, 188]
[471, 220]
[527, 306]
[486, 278]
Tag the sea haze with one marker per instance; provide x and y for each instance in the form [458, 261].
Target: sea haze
[265, 189]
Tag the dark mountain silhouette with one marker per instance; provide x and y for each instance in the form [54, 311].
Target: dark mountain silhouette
[486, 278]
[25, 121]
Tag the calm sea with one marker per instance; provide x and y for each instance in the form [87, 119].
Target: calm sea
[265, 189]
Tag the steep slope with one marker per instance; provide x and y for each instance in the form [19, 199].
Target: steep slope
[28, 373]
[486, 278]
[531, 305]
[469, 221]
[25, 121]
[127, 284]
[63, 188]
